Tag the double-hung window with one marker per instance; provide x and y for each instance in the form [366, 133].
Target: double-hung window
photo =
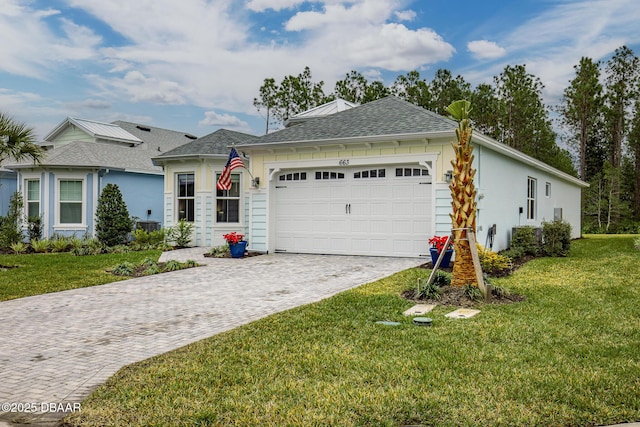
[228, 201]
[70, 201]
[32, 198]
[531, 198]
[186, 196]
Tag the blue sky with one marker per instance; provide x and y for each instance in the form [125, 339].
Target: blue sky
[196, 65]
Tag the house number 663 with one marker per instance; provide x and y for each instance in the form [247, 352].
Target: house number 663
[343, 162]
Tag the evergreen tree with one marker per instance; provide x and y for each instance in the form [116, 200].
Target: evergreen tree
[293, 95]
[581, 108]
[486, 110]
[113, 223]
[446, 89]
[621, 89]
[356, 88]
[412, 88]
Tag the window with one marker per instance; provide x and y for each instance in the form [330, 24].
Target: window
[228, 201]
[186, 196]
[373, 173]
[329, 175]
[297, 176]
[70, 201]
[33, 198]
[547, 189]
[531, 198]
[412, 172]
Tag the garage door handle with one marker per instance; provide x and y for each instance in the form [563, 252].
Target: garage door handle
[347, 208]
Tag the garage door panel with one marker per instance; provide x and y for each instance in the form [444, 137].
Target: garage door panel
[389, 216]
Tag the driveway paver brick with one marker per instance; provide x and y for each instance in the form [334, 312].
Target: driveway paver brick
[59, 347]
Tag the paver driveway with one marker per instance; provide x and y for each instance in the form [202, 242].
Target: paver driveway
[59, 347]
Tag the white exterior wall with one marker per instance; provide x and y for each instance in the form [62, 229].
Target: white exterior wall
[501, 183]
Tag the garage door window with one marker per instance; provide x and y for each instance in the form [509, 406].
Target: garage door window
[296, 176]
[371, 173]
[329, 175]
[228, 201]
[412, 172]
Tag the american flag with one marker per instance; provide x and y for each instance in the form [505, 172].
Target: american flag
[224, 182]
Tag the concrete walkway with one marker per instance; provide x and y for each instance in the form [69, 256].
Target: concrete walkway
[57, 348]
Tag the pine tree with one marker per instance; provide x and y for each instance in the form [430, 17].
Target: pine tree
[581, 108]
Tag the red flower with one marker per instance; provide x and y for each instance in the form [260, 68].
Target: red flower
[233, 238]
[438, 243]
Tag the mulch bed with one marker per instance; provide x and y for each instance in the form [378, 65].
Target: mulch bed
[247, 254]
[455, 295]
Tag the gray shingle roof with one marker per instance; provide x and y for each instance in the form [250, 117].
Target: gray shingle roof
[216, 143]
[99, 155]
[386, 116]
[152, 141]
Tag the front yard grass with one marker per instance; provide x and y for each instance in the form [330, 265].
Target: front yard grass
[35, 274]
[568, 355]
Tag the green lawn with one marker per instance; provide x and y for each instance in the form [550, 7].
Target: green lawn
[568, 355]
[52, 272]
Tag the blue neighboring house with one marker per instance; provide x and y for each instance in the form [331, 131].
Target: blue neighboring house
[7, 188]
[82, 157]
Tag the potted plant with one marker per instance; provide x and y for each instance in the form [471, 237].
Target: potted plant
[237, 244]
[438, 245]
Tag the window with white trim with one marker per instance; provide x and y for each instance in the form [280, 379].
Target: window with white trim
[531, 198]
[228, 201]
[70, 201]
[32, 199]
[547, 189]
[185, 196]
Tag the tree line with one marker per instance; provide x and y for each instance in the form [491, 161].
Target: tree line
[598, 117]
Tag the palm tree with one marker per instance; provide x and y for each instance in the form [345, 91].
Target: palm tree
[463, 193]
[17, 141]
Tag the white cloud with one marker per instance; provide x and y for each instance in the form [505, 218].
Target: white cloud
[211, 118]
[262, 5]
[485, 49]
[34, 49]
[405, 15]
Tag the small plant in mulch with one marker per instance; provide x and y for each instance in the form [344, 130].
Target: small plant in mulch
[148, 267]
[224, 252]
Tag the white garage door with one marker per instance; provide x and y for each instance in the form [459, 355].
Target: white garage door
[384, 211]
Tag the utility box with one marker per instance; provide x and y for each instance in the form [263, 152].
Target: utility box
[148, 226]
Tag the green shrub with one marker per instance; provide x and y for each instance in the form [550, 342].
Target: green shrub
[157, 237]
[40, 246]
[428, 291]
[190, 263]
[34, 228]
[60, 244]
[493, 263]
[113, 223]
[513, 253]
[636, 243]
[173, 265]
[473, 292]
[152, 269]
[18, 247]
[220, 251]
[10, 225]
[442, 278]
[123, 269]
[525, 238]
[141, 236]
[181, 233]
[556, 238]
